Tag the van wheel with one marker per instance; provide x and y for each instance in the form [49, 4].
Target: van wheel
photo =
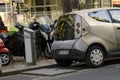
[95, 56]
[63, 62]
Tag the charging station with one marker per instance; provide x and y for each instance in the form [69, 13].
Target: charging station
[30, 47]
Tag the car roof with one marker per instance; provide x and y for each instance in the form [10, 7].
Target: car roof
[86, 11]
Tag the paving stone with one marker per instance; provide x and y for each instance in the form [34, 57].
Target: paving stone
[50, 71]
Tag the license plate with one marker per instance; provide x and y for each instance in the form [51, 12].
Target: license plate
[64, 52]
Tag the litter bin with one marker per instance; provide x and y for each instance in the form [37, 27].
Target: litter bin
[30, 47]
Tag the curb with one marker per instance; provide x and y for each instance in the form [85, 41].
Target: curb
[27, 68]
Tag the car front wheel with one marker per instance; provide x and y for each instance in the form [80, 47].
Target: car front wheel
[95, 56]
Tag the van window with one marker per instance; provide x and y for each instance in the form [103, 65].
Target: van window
[65, 27]
[115, 14]
[100, 16]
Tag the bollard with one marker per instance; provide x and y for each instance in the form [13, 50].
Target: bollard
[30, 47]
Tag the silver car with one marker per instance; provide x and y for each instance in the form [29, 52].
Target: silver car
[92, 35]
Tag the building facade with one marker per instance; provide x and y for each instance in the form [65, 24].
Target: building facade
[54, 8]
[84, 4]
[116, 3]
[50, 8]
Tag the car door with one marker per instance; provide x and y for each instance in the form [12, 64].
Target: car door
[103, 29]
[115, 16]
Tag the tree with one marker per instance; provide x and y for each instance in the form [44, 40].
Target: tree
[66, 6]
[69, 5]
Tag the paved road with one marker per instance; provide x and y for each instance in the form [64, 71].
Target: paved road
[111, 71]
[104, 73]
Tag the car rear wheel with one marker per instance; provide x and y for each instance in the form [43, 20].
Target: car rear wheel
[63, 62]
[95, 56]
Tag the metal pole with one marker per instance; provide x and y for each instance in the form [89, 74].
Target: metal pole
[12, 13]
[18, 12]
[30, 6]
[101, 3]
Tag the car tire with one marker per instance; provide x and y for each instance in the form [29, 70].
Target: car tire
[5, 58]
[63, 62]
[95, 56]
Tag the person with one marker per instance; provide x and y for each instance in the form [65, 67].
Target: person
[2, 26]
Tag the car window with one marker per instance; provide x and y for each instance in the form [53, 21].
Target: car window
[115, 14]
[100, 16]
[65, 27]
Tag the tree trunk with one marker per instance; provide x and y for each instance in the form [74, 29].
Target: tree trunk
[70, 5]
[66, 6]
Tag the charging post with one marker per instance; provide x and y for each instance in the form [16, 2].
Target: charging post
[30, 47]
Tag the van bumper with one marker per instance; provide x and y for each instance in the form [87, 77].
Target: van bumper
[72, 54]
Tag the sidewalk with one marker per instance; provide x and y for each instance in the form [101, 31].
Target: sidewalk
[18, 65]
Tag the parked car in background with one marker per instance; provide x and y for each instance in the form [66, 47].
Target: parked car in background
[91, 35]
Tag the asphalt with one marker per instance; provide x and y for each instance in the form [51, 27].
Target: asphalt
[19, 65]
